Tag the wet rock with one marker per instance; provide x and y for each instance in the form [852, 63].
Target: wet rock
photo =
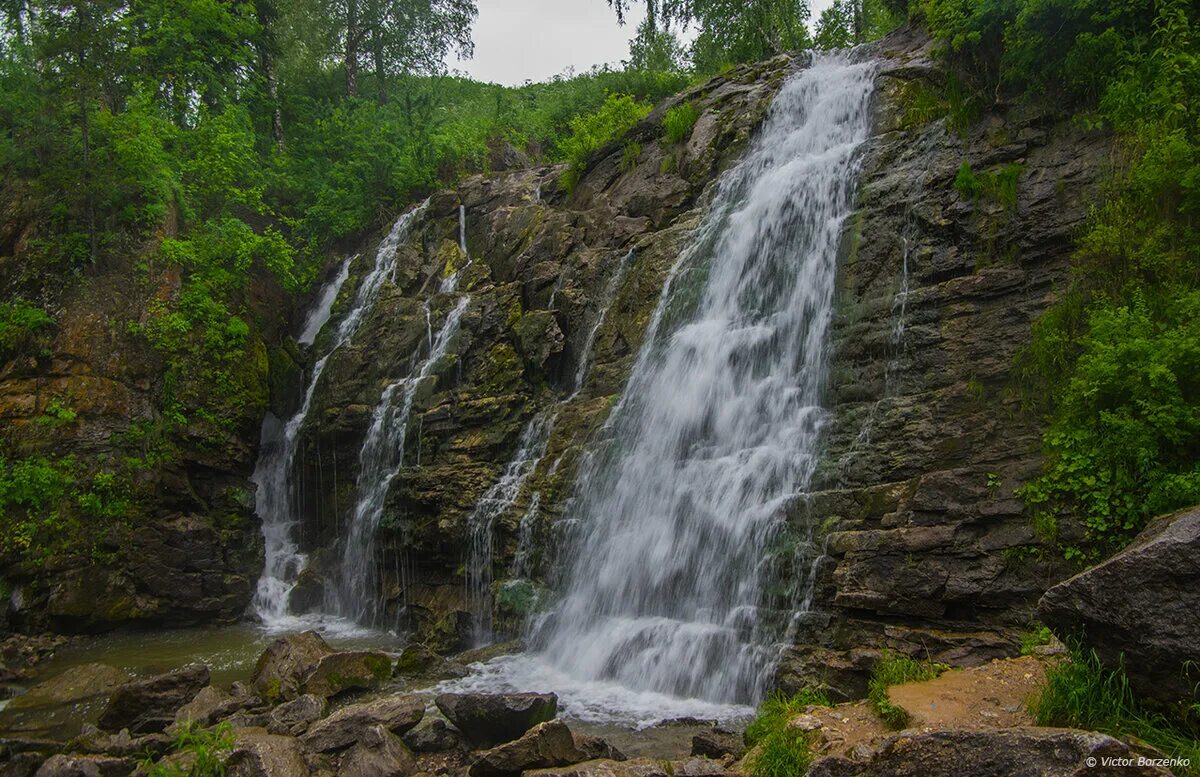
[488, 719]
[257, 753]
[433, 737]
[698, 767]
[84, 766]
[210, 705]
[637, 767]
[718, 743]
[284, 665]
[546, 744]
[1142, 604]
[1015, 752]
[121, 744]
[421, 663]
[378, 753]
[397, 714]
[294, 717]
[594, 747]
[338, 673]
[76, 685]
[148, 705]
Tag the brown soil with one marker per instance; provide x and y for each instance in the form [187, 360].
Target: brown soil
[994, 695]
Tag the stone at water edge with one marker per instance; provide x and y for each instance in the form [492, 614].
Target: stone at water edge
[637, 767]
[283, 666]
[436, 737]
[1143, 603]
[149, 704]
[1008, 752]
[489, 719]
[76, 684]
[398, 714]
[546, 744]
[378, 753]
[336, 673]
[718, 743]
[294, 717]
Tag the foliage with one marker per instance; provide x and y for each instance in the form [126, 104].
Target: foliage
[999, 186]
[1082, 693]
[897, 669]
[1037, 636]
[777, 749]
[207, 750]
[679, 121]
[845, 23]
[20, 324]
[593, 131]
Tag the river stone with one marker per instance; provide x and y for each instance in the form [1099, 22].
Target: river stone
[433, 737]
[378, 753]
[488, 719]
[257, 753]
[717, 743]
[594, 747]
[208, 706]
[546, 744]
[1143, 604]
[149, 704]
[294, 716]
[347, 671]
[1011, 752]
[77, 684]
[84, 766]
[421, 663]
[398, 714]
[284, 665]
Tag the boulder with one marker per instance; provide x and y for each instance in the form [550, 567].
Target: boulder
[378, 753]
[397, 714]
[210, 705]
[122, 744]
[489, 719]
[352, 670]
[84, 766]
[1010, 752]
[257, 753]
[294, 717]
[1143, 604]
[594, 747]
[637, 767]
[80, 683]
[434, 737]
[149, 704]
[718, 743]
[546, 744]
[421, 663]
[284, 665]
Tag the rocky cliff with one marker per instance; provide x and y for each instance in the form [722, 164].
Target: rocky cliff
[913, 536]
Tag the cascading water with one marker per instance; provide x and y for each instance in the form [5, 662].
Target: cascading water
[319, 315]
[275, 498]
[679, 510]
[355, 589]
[494, 503]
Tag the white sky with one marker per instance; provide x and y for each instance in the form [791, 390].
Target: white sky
[517, 40]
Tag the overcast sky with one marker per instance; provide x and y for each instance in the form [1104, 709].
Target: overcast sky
[516, 40]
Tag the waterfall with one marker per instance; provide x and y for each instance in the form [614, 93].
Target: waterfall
[319, 315]
[355, 593]
[606, 301]
[494, 503]
[678, 513]
[275, 497]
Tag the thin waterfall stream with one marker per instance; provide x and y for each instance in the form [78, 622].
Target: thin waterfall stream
[666, 605]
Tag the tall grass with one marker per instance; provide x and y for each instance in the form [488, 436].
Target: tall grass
[778, 749]
[1082, 693]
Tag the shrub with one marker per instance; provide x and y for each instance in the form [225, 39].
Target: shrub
[1081, 693]
[896, 669]
[20, 324]
[208, 749]
[595, 130]
[779, 750]
[1034, 638]
[679, 121]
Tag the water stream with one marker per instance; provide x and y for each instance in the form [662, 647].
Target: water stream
[681, 508]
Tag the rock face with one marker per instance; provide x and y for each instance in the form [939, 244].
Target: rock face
[488, 719]
[149, 705]
[259, 754]
[397, 714]
[378, 753]
[1142, 604]
[1030, 752]
[286, 663]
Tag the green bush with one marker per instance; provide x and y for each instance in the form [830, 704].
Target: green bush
[593, 131]
[777, 749]
[1081, 693]
[679, 121]
[20, 324]
[897, 669]
[207, 748]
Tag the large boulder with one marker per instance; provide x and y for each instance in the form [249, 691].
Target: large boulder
[149, 704]
[378, 753]
[84, 766]
[284, 665]
[488, 719]
[60, 706]
[257, 753]
[434, 737]
[546, 744]
[1009, 752]
[294, 717]
[397, 714]
[1143, 604]
[358, 670]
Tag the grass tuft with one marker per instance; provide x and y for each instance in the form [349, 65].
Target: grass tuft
[777, 749]
[896, 669]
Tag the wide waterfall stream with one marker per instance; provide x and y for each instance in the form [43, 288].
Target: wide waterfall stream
[665, 609]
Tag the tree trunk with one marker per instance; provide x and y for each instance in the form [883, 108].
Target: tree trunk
[352, 36]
